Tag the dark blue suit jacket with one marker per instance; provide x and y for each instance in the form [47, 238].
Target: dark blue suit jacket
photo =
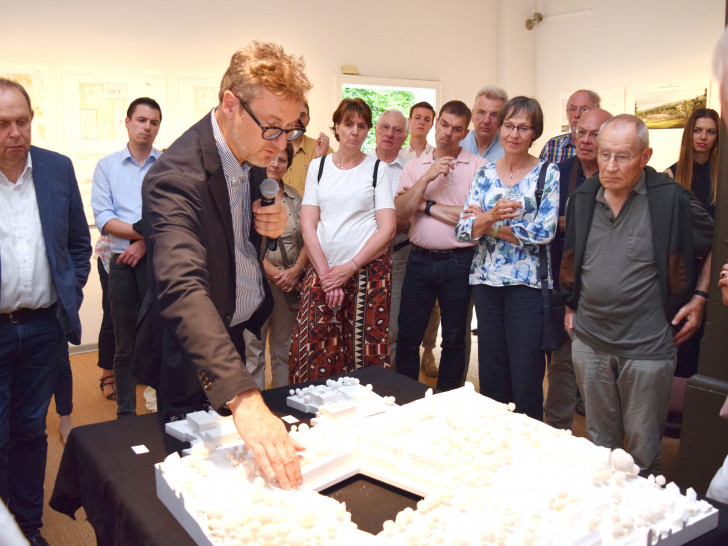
[65, 232]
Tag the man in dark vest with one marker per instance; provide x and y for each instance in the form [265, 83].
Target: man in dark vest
[627, 275]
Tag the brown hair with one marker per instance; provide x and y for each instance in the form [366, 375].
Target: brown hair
[347, 109]
[289, 153]
[145, 101]
[423, 104]
[523, 105]
[457, 108]
[259, 64]
[5, 83]
[684, 174]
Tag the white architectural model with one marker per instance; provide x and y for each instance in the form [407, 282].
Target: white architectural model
[338, 398]
[487, 475]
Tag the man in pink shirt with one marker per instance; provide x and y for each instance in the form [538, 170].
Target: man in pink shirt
[431, 194]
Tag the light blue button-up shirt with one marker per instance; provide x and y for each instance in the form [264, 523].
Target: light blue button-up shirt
[116, 191]
[494, 151]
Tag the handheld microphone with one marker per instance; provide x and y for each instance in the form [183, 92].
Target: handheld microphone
[268, 190]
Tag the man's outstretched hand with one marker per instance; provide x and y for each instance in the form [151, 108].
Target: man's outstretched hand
[266, 436]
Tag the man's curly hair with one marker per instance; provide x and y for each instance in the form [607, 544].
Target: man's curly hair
[265, 64]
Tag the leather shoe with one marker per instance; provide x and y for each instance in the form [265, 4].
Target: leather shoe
[38, 540]
[429, 366]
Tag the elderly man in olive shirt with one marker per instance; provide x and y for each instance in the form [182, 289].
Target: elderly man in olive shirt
[632, 236]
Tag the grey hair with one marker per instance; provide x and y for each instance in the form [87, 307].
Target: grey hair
[399, 113]
[628, 119]
[720, 64]
[491, 92]
[593, 96]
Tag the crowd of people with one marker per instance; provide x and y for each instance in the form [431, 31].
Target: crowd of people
[358, 261]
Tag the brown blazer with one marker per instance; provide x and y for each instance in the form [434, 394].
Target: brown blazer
[184, 341]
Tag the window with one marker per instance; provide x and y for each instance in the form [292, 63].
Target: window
[383, 94]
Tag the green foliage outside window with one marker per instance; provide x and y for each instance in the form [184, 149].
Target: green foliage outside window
[380, 100]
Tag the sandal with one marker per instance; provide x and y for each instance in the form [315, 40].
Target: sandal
[108, 381]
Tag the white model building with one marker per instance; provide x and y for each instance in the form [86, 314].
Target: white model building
[486, 475]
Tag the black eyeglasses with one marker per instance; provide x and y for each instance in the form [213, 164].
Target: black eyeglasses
[272, 133]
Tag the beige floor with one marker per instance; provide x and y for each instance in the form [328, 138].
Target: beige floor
[90, 406]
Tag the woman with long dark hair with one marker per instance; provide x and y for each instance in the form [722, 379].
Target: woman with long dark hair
[697, 167]
[697, 170]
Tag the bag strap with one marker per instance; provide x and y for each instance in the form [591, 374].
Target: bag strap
[374, 178]
[321, 169]
[575, 170]
[284, 255]
[542, 257]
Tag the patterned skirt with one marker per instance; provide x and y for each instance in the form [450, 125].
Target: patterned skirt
[321, 348]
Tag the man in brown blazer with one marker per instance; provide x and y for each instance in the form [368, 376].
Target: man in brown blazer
[204, 224]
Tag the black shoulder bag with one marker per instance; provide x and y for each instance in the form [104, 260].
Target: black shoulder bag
[553, 334]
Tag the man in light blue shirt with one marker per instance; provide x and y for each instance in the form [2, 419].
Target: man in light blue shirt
[484, 140]
[116, 200]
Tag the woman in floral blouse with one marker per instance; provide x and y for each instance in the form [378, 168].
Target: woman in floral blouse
[501, 213]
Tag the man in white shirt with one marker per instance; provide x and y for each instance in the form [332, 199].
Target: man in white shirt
[390, 133]
[45, 250]
[421, 119]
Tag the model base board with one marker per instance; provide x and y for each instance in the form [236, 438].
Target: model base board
[487, 475]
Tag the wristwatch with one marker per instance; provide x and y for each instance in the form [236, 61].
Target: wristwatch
[428, 206]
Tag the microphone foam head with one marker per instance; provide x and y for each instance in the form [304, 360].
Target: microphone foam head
[269, 188]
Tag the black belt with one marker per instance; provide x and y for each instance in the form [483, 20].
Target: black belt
[442, 254]
[24, 315]
[400, 245]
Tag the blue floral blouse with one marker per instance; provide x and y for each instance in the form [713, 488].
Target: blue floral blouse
[498, 262]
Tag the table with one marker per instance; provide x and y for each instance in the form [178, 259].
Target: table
[100, 472]
[116, 487]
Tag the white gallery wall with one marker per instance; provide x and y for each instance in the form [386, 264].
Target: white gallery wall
[463, 45]
[630, 44]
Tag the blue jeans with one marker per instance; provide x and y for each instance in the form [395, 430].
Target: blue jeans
[511, 363]
[64, 385]
[127, 287]
[428, 279]
[29, 357]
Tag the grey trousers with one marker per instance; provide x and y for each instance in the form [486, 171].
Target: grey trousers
[278, 329]
[558, 408]
[399, 266]
[624, 396]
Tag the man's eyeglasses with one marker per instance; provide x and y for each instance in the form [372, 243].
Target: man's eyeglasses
[397, 129]
[272, 133]
[621, 159]
[581, 133]
[573, 109]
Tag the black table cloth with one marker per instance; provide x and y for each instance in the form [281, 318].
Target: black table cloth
[117, 489]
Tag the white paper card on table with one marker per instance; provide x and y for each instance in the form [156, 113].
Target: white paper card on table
[138, 450]
[290, 419]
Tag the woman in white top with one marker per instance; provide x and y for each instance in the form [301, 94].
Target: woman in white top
[347, 221]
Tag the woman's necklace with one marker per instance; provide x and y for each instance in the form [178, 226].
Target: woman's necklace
[511, 172]
[343, 166]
